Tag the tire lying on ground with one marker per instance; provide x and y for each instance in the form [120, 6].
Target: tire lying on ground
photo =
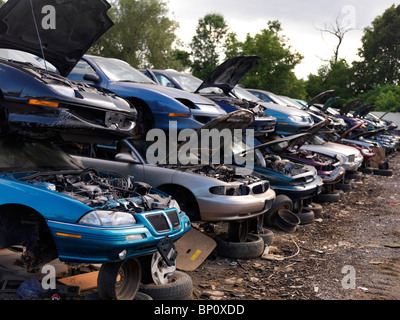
[327, 197]
[179, 288]
[287, 220]
[382, 172]
[316, 208]
[267, 236]
[306, 216]
[253, 247]
[281, 202]
[343, 186]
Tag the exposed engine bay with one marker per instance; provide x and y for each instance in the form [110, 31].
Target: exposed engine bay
[276, 163]
[111, 193]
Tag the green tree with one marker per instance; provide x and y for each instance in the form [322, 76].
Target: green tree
[275, 70]
[143, 35]
[385, 97]
[335, 75]
[380, 52]
[207, 43]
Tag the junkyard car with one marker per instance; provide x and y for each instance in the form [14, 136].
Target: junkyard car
[42, 102]
[156, 105]
[219, 87]
[289, 120]
[54, 207]
[205, 191]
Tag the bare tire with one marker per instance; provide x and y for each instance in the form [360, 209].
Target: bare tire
[179, 288]
[327, 197]
[267, 236]
[238, 231]
[281, 202]
[253, 247]
[306, 216]
[316, 208]
[119, 280]
[382, 172]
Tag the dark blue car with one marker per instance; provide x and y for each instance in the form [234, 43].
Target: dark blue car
[157, 106]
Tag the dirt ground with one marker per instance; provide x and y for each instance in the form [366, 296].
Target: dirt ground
[352, 253]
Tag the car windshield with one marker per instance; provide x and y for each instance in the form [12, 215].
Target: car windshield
[118, 70]
[27, 58]
[22, 155]
[186, 81]
[242, 93]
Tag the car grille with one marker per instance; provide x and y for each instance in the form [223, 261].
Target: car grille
[261, 188]
[161, 222]
[351, 158]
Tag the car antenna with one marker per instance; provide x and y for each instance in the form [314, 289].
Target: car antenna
[38, 35]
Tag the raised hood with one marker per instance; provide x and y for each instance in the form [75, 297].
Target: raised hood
[319, 97]
[78, 24]
[350, 106]
[238, 119]
[227, 75]
[295, 140]
[364, 110]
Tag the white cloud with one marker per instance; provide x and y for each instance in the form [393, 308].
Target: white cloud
[299, 20]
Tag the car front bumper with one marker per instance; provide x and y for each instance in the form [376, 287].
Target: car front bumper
[92, 244]
[230, 208]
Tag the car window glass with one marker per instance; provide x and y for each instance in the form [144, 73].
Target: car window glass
[19, 155]
[164, 81]
[80, 70]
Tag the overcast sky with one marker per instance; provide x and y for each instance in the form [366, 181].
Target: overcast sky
[299, 20]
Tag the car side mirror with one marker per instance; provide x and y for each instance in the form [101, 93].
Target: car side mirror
[126, 157]
[91, 77]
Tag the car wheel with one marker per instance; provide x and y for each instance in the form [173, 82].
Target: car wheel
[238, 231]
[180, 287]
[155, 270]
[316, 208]
[287, 220]
[119, 280]
[281, 202]
[306, 216]
[252, 248]
[327, 197]
[382, 172]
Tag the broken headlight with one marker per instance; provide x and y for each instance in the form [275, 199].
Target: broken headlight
[107, 218]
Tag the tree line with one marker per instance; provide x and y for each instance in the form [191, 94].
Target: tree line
[145, 37]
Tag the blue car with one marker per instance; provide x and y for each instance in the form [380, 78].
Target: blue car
[220, 86]
[156, 105]
[55, 208]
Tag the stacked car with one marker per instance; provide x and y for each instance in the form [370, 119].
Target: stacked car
[105, 165]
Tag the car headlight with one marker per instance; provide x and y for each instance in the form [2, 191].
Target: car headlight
[63, 90]
[107, 218]
[297, 119]
[174, 204]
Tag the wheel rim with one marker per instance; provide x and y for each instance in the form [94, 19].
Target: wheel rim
[160, 271]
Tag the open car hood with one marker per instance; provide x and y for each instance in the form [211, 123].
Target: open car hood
[350, 106]
[238, 119]
[79, 23]
[227, 75]
[364, 110]
[295, 140]
[329, 103]
[319, 97]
